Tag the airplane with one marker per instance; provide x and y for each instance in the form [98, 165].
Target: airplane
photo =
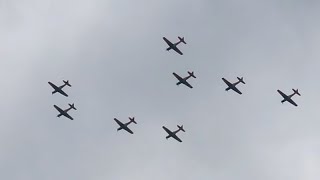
[59, 89]
[184, 80]
[174, 45]
[288, 98]
[65, 112]
[173, 134]
[125, 126]
[233, 85]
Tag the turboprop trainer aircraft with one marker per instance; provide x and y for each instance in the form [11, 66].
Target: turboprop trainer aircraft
[233, 85]
[288, 98]
[65, 112]
[59, 89]
[174, 46]
[184, 80]
[173, 134]
[125, 126]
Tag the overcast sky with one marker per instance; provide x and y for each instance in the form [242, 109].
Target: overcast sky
[113, 54]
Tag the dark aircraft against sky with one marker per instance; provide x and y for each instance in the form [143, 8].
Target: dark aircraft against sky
[65, 112]
[173, 134]
[233, 85]
[174, 45]
[289, 98]
[59, 89]
[125, 125]
[184, 80]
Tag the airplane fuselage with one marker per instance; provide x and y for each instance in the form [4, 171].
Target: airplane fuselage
[58, 89]
[123, 126]
[172, 134]
[232, 86]
[62, 112]
[173, 45]
[287, 98]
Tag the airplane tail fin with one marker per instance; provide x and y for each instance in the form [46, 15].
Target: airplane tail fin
[181, 128]
[191, 74]
[241, 80]
[132, 120]
[67, 83]
[296, 91]
[182, 40]
[72, 106]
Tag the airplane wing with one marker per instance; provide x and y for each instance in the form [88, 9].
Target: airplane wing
[120, 123]
[178, 77]
[282, 94]
[167, 130]
[58, 109]
[187, 84]
[236, 90]
[227, 82]
[168, 42]
[67, 115]
[62, 92]
[53, 86]
[127, 129]
[176, 138]
[292, 102]
[177, 50]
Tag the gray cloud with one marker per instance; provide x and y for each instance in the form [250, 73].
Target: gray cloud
[114, 56]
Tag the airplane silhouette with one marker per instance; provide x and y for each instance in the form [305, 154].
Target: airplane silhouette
[59, 89]
[288, 98]
[184, 80]
[233, 85]
[125, 126]
[173, 134]
[174, 45]
[65, 112]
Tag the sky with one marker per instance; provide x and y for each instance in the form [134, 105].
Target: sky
[114, 57]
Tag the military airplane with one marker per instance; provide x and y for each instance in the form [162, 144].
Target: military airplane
[174, 45]
[125, 126]
[184, 80]
[65, 112]
[173, 134]
[59, 89]
[288, 98]
[233, 85]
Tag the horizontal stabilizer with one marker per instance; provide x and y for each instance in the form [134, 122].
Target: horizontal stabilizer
[182, 40]
[181, 128]
[72, 106]
[191, 74]
[241, 80]
[67, 83]
[296, 91]
[132, 120]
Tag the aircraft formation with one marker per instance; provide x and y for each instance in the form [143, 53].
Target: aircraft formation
[181, 80]
[59, 90]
